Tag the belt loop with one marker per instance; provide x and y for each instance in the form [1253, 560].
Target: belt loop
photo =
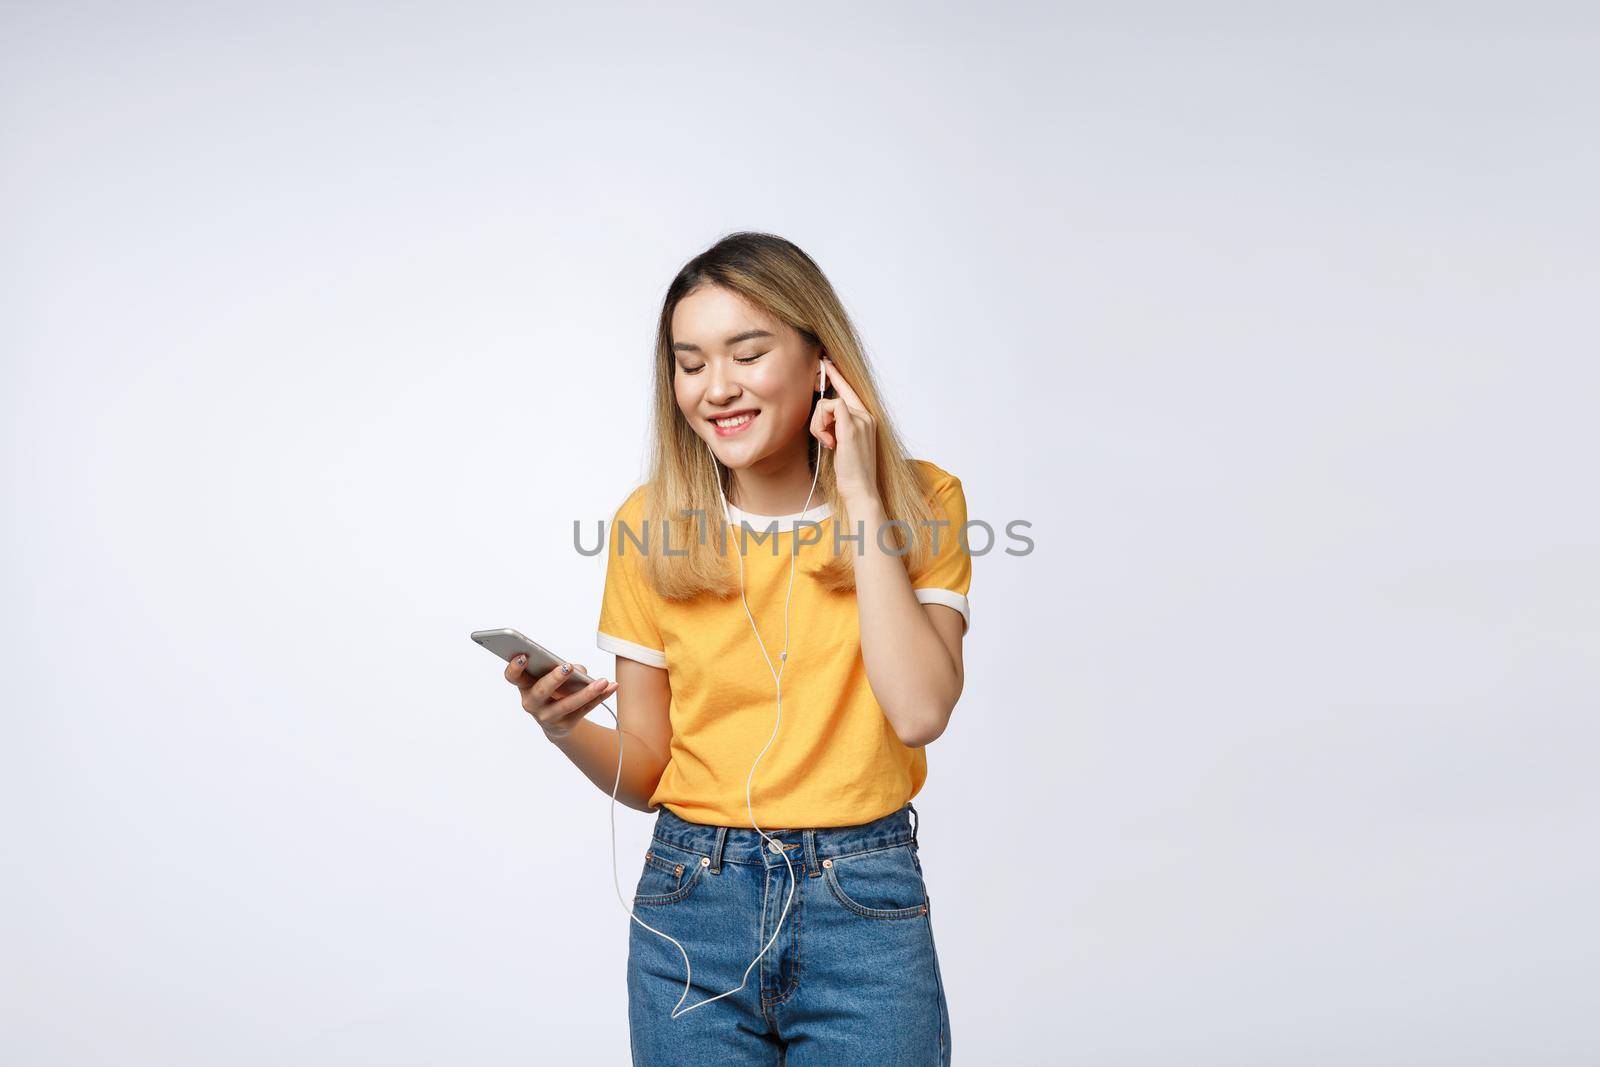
[916, 820]
[716, 849]
[813, 868]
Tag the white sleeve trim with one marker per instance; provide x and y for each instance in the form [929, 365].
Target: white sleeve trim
[950, 599]
[654, 657]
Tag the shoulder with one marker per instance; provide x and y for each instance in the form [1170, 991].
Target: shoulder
[632, 506]
[934, 476]
[629, 523]
[939, 486]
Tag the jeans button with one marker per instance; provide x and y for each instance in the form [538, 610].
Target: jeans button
[774, 845]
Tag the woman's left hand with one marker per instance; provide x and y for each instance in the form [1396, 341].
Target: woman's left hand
[843, 424]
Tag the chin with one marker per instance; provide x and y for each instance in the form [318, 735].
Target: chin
[736, 463]
[738, 452]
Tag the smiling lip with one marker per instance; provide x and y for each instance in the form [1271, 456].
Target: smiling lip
[729, 432]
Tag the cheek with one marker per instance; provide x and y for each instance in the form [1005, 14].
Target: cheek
[683, 392]
[780, 387]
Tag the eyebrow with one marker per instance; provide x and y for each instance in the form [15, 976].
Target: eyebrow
[685, 346]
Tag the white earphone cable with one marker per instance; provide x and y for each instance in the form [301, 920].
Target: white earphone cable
[777, 677]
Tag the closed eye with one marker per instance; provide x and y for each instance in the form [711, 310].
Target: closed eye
[737, 359]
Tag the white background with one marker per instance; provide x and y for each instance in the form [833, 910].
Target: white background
[320, 328]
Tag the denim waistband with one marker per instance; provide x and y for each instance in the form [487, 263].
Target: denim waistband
[735, 844]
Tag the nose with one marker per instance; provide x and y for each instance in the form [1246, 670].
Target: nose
[720, 388]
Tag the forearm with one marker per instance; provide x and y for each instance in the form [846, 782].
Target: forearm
[593, 749]
[908, 666]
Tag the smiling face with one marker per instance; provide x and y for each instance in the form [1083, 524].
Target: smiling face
[733, 359]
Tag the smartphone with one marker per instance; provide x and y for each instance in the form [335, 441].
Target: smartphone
[541, 661]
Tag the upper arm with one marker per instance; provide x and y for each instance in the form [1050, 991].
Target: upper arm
[643, 699]
[628, 625]
[950, 625]
[942, 580]
[628, 629]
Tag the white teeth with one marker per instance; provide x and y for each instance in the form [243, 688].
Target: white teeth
[738, 420]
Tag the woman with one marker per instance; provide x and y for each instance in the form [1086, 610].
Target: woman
[780, 668]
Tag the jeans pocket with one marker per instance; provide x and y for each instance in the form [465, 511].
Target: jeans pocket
[885, 883]
[670, 874]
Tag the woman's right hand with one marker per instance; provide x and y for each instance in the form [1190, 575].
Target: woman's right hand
[557, 717]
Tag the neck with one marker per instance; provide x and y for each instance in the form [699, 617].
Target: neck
[776, 485]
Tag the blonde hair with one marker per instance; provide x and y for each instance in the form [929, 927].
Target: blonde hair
[681, 497]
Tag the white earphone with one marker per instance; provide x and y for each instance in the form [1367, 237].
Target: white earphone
[777, 678]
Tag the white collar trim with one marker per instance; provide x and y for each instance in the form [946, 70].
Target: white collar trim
[738, 516]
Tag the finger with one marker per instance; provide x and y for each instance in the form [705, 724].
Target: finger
[847, 425]
[581, 701]
[544, 688]
[578, 668]
[843, 386]
[546, 706]
[516, 673]
[562, 716]
[819, 420]
[595, 701]
[822, 418]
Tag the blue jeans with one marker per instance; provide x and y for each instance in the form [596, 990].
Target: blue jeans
[852, 977]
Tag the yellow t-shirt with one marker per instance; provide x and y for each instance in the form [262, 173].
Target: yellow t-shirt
[836, 760]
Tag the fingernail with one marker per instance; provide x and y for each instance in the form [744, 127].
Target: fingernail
[566, 668]
[520, 660]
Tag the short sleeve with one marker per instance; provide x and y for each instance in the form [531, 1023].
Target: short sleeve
[946, 577]
[627, 606]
